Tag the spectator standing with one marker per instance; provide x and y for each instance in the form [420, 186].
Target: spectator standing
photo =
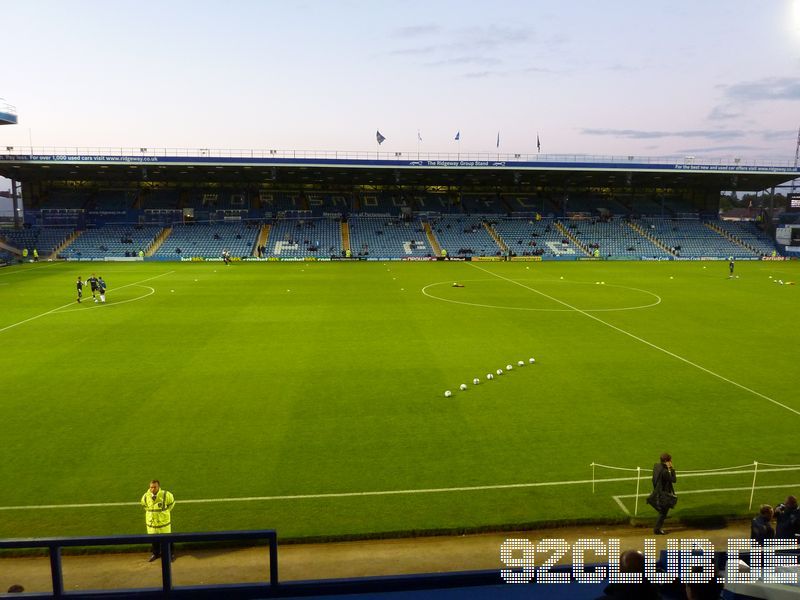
[663, 497]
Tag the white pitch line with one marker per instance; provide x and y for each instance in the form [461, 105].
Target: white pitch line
[338, 495]
[44, 314]
[622, 505]
[528, 308]
[474, 488]
[643, 341]
[618, 499]
[27, 270]
[106, 306]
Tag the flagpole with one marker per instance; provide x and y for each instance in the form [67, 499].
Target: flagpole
[418, 139]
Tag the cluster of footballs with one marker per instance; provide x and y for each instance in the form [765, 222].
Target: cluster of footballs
[489, 376]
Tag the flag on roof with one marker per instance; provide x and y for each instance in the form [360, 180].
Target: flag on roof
[538, 144]
[498, 139]
[458, 135]
[379, 137]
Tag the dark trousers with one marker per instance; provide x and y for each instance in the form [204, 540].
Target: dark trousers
[662, 515]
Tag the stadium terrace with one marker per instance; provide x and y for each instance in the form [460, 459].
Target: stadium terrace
[176, 204]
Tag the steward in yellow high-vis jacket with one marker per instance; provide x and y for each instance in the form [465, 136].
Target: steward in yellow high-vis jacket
[157, 505]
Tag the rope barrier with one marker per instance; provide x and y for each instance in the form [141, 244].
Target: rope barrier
[737, 470]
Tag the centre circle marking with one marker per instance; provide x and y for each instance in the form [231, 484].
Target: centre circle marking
[425, 291]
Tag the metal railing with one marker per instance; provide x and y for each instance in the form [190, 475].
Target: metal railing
[55, 545]
[65, 152]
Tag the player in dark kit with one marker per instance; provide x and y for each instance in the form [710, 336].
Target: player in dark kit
[730, 267]
[226, 257]
[92, 281]
[79, 284]
[102, 286]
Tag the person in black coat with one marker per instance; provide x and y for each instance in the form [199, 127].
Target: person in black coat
[787, 519]
[663, 497]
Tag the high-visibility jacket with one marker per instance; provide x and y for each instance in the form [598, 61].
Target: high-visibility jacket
[157, 512]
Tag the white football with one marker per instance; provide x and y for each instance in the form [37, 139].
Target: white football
[463, 387]
[520, 363]
[499, 371]
[489, 376]
[509, 367]
[448, 393]
[531, 360]
[476, 381]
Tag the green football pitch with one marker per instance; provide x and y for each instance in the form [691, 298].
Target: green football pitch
[309, 397]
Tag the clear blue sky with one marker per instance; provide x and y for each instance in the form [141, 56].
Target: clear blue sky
[622, 77]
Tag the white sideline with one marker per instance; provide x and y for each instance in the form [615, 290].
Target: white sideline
[637, 338]
[44, 314]
[337, 495]
[475, 488]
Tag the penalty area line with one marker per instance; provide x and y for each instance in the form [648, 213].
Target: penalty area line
[49, 312]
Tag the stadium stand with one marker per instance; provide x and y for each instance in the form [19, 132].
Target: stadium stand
[160, 199]
[65, 199]
[530, 205]
[464, 236]
[382, 237]
[114, 200]
[382, 203]
[44, 239]
[614, 239]
[680, 208]
[439, 203]
[282, 202]
[303, 238]
[747, 233]
[588, 205]
[208, 240]
[111, 240]
[647, 207]
[298, 235]
[608, 205]
[693, 239]
[528, 237]
[218, 200]
[484, 204]
[326, 203]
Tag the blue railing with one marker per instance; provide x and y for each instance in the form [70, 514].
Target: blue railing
[55, 545]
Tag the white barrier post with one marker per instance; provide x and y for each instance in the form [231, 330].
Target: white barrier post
[636, 504]
[753, 488]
